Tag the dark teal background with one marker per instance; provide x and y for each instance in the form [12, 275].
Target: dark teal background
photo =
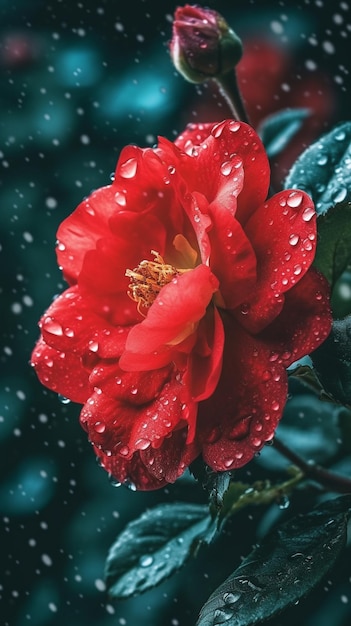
[77, 82]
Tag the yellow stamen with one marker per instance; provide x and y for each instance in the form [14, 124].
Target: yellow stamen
[148, 279]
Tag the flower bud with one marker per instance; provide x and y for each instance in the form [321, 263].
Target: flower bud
[203, 46]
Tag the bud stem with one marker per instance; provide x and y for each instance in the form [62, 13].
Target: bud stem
[228, 86]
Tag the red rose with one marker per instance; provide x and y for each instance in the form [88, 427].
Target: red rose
[189, 296]
[203, 45]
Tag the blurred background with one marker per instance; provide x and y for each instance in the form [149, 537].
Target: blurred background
[78, 82]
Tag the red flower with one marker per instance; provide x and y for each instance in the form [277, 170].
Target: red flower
[189, 296]
[203, 45]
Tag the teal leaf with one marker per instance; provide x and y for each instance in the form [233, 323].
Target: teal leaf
[288, 564]
[154, 546]
[277, 130]
[324, 169]
[332, 361]
[334, 242]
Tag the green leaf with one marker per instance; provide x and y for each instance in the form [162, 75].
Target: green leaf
[278, 129]
[154, 546]
[289, 563]
[324, 169]
[334, 242]
[333, 361]
[215, 484]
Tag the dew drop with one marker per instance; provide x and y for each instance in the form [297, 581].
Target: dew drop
[100, 427]
[231, 598]
[226, 168]
[129, 168]
[124, 451]
[308, 213]
[340, 136]
[146, 560]
[294, 240]
[275, 405]
[228, 463]
[256, 442]
[93, 346]
[340, 195]
[120, 198]
[234, 126]
[52, 327]
[63, 399]
[297, 269]
[322, 159]
[142, 444]
[217, 130]
[295, 199]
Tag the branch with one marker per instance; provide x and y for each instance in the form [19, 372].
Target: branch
[330, 480]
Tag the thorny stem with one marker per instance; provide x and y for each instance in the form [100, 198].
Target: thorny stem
[330, 480]
[229, 89]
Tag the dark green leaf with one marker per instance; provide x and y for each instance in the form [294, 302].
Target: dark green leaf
[324, 169]
[334, 242]
[154, 546]
[289, 563]
[333, 361]
[215, 483]
[278, 129]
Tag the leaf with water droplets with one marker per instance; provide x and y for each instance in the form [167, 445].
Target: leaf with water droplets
[334, 242]
[288, 564]
[277, 130]
[324, 169]
[154, 546]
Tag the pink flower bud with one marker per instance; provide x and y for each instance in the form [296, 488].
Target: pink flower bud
[203, 46]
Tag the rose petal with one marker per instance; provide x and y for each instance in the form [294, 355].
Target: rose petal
[242, 414]
[69, 325]
[283, 235]
[213, 155]
[61, 372]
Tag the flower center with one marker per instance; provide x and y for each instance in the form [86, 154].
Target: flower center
[147, 280]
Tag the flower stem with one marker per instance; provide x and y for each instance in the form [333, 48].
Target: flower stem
[228, 86]
[330, 480]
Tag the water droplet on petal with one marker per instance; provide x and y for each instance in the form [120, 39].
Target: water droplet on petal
[120, 198]
[100, 427]
[228, 463]
[93, 346]
[308, 213]
[297, 269]
[129, 168]
[226, 168]
[295, 199]
[142, 444]
[52, 327]
[275, 405]
[294, 240]
[124, 451]
[146, 560]
[234, 126]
